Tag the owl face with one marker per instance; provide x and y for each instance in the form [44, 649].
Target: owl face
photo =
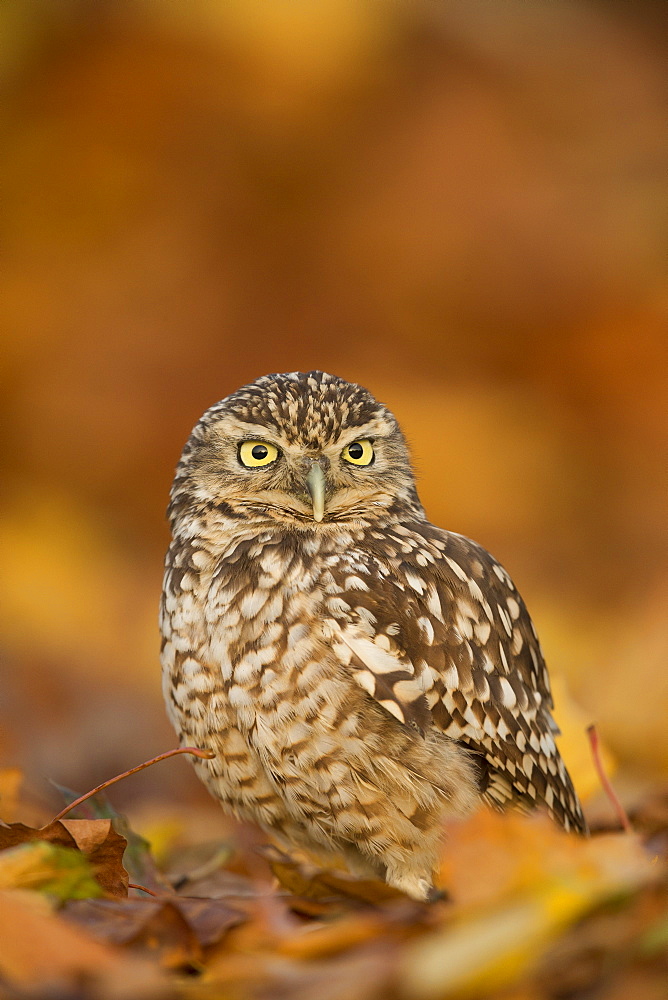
[303, 448]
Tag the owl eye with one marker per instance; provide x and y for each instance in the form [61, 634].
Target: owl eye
[358, 453]
[254, 454]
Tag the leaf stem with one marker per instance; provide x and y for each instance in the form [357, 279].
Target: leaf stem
[195, 751]
[133, 885]
[592, 733]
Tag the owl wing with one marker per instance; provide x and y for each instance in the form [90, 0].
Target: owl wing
[436, 632]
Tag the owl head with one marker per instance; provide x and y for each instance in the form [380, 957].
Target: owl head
[307, 449]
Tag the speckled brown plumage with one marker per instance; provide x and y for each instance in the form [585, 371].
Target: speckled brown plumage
[358, 672]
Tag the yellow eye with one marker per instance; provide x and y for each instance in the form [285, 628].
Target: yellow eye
[254, 454]
[358, 453]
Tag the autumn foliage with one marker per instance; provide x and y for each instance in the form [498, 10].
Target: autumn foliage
[461, 206]
[254, 922]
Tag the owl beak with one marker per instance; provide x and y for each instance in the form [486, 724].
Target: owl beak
[316, 487]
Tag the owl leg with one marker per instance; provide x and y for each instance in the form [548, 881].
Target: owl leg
[421, 889]
[405, 799]
[412, 876]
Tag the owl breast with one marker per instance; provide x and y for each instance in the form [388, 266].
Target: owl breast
[238, 663]
[250, 671]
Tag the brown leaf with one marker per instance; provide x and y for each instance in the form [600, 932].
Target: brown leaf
[209, 918]
[59, 872]
[105, 848]
[365, 973]
[156, 926]
[95, 838]
[490, 857]
[178, 928]
[304, 879]
[37, 947]
[333, 938]
[518, 884]
[42, 955]
[137, 858]
[13, 834]
[218, 885]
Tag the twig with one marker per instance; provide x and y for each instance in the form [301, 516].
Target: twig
[133, 885]
[195, 751]
[605, 781]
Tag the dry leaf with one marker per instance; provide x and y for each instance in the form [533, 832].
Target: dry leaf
[156, 926]
[492, 856]
[96, 839]
[138, 857]
[104, 848]
[60, 872]
[333, 938]
[129, 921]
[37, 947]
[518, 882]
[305, 879]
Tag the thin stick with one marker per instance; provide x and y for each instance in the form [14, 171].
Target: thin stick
[605, 781]
[195, 751]
[133, 885]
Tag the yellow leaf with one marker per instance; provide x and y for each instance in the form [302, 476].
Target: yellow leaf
[58, 871]
[516, 882]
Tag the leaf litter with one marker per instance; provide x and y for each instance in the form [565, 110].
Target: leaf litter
[529, 913]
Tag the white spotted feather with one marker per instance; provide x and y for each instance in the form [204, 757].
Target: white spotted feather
[359, 677]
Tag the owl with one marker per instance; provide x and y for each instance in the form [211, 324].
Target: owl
[358, 673]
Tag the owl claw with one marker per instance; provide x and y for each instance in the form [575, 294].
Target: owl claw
[419, 889]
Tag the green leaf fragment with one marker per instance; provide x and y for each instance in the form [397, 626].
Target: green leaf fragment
[60, 872]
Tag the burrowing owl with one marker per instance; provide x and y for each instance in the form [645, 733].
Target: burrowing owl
[359, 673]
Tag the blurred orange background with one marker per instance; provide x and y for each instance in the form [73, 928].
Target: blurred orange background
[460, 205]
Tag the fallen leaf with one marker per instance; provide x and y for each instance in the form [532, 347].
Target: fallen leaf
[199, 862]
[218, 885]
[96, 839]
[105, 849]
[138, 858]
[209, 918]
[176, 929]
[482, 954]
[361, 974]
[517, 882]
[304, 879]
[43, 955]
[492, 856]
[61, 872]
[36, 947]
[156, 926]
[333, 938]
[13, 834]
[579, 962]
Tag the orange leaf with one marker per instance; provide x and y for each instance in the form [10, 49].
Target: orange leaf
[37, 947]
[307, 880]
